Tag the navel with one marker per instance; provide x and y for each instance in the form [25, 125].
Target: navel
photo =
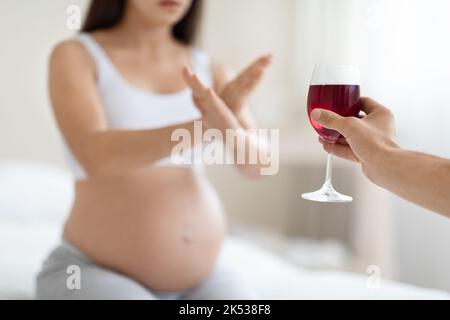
[187, 238]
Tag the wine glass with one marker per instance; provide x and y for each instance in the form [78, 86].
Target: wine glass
[335, 88]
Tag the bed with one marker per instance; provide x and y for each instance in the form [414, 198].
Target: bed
[34, 199]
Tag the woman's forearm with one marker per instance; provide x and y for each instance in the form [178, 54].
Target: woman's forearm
[416, 177]
[250, 154]
[246, 119]
[115, 152]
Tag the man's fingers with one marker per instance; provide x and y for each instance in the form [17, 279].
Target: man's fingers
[341, 140]
[341, 151]
[369, 106]
[330, 120]
[327, 119]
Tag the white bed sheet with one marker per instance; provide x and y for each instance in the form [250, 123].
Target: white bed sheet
[23, 248]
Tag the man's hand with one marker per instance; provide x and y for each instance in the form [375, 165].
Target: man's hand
[366, 139]
[236, 93]
[414, 176]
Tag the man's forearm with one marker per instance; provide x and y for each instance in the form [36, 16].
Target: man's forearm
[416, 177]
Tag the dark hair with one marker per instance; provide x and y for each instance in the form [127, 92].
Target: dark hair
[105, 14]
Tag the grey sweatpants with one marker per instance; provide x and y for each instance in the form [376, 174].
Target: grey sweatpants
[68, 274]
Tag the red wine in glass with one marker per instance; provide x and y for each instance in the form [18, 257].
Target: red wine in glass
[341, 99]
[335, 88]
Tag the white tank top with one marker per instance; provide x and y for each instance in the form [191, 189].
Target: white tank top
[127, 107]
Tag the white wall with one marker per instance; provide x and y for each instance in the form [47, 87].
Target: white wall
[29, 29]
[236, 32]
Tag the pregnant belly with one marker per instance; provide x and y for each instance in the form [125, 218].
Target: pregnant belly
[163, 227]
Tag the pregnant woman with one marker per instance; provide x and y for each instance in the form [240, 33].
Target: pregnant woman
[142, 227]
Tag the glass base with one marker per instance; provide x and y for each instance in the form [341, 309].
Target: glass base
[327, 195]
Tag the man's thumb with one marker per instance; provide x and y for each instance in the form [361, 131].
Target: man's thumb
[329, 120]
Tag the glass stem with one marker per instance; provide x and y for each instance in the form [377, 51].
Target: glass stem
[329, 168]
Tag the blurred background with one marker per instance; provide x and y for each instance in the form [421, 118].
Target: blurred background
[403, 51]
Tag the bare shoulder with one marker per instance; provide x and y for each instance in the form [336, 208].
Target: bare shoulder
[71, 54]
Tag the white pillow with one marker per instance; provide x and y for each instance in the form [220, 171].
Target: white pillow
[33, 193]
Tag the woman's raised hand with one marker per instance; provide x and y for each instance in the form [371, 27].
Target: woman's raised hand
[215, 112]
[236, 93]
